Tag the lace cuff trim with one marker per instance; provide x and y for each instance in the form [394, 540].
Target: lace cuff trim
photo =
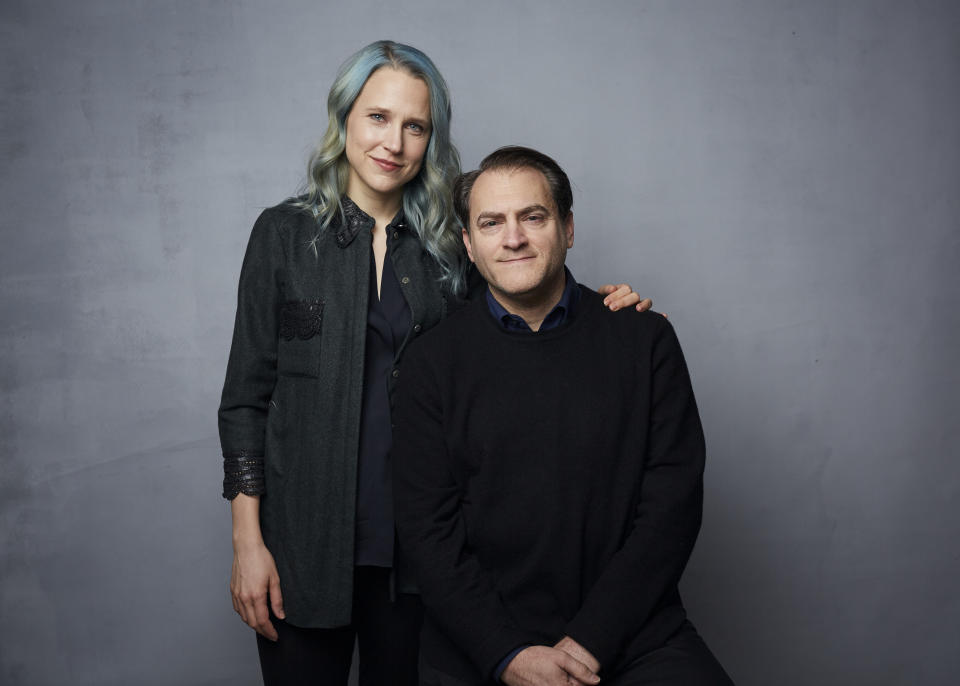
[242, 473]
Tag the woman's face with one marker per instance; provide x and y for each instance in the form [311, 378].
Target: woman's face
[388, 129]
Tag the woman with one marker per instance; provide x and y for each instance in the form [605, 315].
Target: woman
[333, 286]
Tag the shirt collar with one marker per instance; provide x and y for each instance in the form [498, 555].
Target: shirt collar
[561, 312]
[356, 220]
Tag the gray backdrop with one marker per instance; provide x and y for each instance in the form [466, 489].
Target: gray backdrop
[782, 177]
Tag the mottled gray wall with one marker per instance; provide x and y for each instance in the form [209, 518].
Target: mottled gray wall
[782, 177]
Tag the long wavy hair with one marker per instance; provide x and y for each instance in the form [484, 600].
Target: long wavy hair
[427, 198]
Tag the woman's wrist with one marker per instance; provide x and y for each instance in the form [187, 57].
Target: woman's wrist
[245, 511]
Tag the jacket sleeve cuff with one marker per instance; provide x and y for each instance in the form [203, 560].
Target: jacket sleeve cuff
[242, 473]
[502, 665]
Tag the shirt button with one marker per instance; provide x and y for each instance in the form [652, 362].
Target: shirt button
[396, 373]
[405, 280]
[416, 328]
[396, 235]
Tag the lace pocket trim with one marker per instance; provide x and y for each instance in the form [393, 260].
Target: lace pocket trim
[301, 319]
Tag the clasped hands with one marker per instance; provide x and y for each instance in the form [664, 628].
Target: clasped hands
[564, 664]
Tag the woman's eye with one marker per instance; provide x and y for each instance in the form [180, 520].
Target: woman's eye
[416, 128]
[376, 116]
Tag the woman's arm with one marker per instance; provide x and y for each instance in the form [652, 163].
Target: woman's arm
[254, 577]
[244, 407]
[252, 366]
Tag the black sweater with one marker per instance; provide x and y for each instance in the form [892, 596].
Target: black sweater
[547, 484]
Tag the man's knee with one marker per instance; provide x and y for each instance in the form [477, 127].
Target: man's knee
[684, 659]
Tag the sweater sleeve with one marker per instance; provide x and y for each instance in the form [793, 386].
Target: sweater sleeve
[252, 365]
[668, 514]
[458, 594]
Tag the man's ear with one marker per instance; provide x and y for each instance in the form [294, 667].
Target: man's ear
[466, 243]
[568, 228]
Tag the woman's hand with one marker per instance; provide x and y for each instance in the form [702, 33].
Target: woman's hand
[621, 296]
[254, 579]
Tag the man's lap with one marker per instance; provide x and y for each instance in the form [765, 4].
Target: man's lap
[683, 659]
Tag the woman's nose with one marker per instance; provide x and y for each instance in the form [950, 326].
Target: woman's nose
[393, 139]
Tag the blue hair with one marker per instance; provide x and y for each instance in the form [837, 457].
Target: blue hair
[427, 198]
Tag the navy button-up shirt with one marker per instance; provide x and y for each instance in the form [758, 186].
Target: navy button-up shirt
[388, 321]
[557, 316]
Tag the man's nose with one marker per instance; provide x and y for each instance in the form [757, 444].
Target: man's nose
[513, 234]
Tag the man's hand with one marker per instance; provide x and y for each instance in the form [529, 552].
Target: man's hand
[579, 653]
[543, 666]
[621, 296]
[254, 578]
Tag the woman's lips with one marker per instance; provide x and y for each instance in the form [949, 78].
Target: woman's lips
[386, 165]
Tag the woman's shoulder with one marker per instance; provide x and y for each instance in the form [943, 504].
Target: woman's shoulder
[292, 213]
[287, 221]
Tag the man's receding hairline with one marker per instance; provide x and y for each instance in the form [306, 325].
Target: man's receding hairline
[513, 168]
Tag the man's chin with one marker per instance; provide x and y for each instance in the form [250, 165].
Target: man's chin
[516, 290]
[522, 294]
[515, 283]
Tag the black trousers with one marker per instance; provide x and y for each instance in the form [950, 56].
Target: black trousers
[684, 660]
[387, 633]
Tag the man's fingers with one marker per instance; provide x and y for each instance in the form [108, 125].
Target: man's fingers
[578, 652]
[578, 670]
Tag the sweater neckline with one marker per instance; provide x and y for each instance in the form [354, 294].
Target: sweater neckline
[584, 313]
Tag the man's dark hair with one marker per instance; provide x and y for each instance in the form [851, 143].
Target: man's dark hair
[512, 157]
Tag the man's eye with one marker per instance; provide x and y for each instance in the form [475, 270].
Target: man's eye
[534, 217]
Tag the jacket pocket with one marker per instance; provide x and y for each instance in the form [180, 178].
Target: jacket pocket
[298, 351]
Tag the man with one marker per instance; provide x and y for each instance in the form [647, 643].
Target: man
[548, 463]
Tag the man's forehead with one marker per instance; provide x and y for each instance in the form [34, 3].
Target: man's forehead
[502, 190]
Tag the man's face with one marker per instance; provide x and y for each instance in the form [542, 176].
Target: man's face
[515, 237]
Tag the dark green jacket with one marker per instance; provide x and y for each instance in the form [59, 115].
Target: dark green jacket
[291, 401]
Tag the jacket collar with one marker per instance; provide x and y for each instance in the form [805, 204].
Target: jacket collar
[356, 220]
